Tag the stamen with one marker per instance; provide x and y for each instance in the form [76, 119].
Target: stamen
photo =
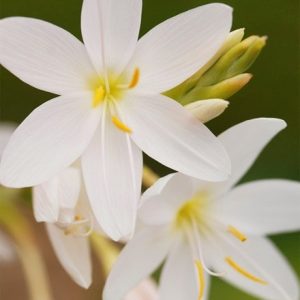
[242, 271]
[77, 218]
[201, 279]
[135, 79]
[236, 233]
[98, 96]
[120, 125]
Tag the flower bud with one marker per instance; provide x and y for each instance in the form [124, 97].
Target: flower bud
[206, 110]
[223, 90]
[223, 75]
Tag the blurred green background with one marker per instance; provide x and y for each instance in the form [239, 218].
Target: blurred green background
[273, 92]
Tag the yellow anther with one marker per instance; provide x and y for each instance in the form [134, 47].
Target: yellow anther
[242, 271]
[120, 125]
[77, 218]
[236, 233]
[135, 78]
[99, 95]
[201, 279]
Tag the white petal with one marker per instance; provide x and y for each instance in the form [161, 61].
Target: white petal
[259, 257]
[156, 188]
[206, 110]
[112, 170]
[69, 187]
[164, 130]
[44, 55]
[7, 251]
[52, 137]
[61, 191]
[45, 201]
[177, 48]
[245, 141]
[262, 207]
[146, 290]
[73, 253]
[6, 130]
[162, 208]
[179, 278]
[110, 30]
[140, 257]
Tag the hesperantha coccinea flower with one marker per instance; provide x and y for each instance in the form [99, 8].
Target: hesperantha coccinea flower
[111, 105]
[62, 204]
[216, 229]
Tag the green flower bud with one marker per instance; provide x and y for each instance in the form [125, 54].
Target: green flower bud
[222, 90]
[223, 75]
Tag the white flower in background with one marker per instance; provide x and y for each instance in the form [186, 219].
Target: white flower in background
[7, 252]
[111, 104]
[146, 290]
[215, 229]
[6, 130]
[62, 204]
[6, 248]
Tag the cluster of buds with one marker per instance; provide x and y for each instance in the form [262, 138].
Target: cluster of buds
[223, 76]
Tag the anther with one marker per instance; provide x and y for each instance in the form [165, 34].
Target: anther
[201, 279]
[99, 95]
[236, 233]
[135, 78]
[119, 124]
[243, 272]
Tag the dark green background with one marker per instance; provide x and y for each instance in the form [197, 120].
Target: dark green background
[273, 92]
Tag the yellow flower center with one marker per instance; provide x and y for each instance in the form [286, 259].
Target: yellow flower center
[112, 89]
[192, 211]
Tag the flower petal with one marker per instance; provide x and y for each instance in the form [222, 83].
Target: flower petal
[146, 290]
[45, 201]
[6, 131]
[52, 137]
[177, 48]
[179, 280]
[112, 171]
[7, 251]
[44, 55]
[206, 110]
[162, 208]
[74, 255]
[164, 130]
[140, 257]
[262, 207]
[60, 192]
[245, 141]
[110, 30]
[259, 257]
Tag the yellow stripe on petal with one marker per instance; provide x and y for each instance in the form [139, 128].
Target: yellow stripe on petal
[135, 79]
[244, 272]
[201, 279]
[236, 233]
[119, 124]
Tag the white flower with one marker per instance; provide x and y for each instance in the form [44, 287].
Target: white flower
[146, 290]
[6, 249]
[62, 204]
[7, 252]
[111, 104]
[215, 229]
[6, 130]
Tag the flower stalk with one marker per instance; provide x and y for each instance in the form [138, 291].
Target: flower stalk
[30, 258]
